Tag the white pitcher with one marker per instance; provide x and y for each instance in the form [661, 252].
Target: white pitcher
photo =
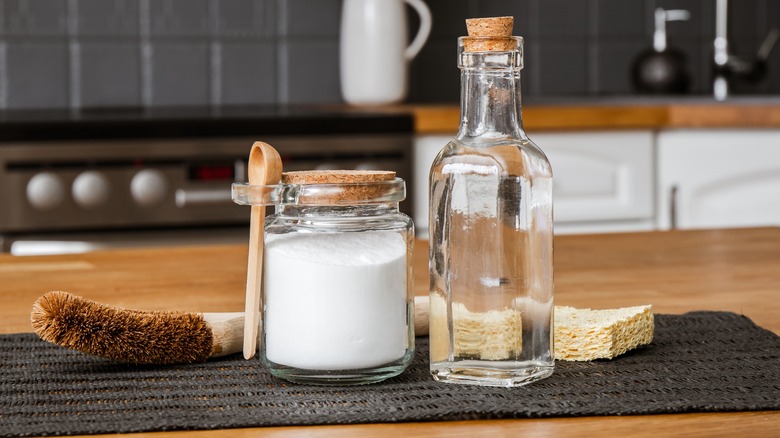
[374, 56]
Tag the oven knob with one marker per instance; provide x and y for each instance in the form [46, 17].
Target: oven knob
[91, 189]
[148, 187]
[45, 191]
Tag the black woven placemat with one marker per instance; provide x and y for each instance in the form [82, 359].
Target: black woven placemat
[698, 362]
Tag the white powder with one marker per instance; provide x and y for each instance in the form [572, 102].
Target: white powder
[335, 301]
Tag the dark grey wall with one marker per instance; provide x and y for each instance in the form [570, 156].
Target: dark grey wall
[131, 53]
[586, 47]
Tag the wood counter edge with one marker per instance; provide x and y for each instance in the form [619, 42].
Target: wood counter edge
[440, 119]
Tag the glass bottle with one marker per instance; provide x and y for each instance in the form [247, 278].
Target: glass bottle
[337, 302]
[491, 234]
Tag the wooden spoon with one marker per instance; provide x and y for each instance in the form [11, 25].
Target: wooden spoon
[265, 168]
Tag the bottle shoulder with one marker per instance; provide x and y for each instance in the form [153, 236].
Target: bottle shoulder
[520, 157]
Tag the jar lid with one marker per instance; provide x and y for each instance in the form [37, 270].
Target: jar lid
[325, 187]
[336, 176]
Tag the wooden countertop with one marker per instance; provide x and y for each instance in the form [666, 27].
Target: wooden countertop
[735, 270]
[433, 119]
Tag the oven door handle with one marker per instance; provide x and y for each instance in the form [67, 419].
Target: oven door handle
[185, 198]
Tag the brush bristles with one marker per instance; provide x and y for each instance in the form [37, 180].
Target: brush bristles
[122, 335]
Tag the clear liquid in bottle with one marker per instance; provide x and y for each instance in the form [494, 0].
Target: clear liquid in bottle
[491, 236]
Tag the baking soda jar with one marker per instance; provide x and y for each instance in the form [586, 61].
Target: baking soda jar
[337, 303]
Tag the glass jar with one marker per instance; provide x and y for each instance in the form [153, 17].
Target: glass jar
[491, 233]
[337, 303]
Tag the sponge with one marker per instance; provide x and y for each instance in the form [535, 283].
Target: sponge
[586, 334]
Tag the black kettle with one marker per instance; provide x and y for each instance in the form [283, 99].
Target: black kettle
[662, 69]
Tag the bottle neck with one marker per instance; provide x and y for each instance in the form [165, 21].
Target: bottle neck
[490, 105]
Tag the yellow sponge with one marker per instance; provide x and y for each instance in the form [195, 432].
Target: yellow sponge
[586, 334]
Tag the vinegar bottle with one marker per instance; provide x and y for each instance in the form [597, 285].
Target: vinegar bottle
[491, 227]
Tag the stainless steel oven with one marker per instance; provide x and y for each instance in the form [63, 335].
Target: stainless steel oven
[79, 185]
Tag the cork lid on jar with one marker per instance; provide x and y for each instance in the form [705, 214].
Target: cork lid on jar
[489, 34]
[338, 187]
[325, 187]
[336, 176]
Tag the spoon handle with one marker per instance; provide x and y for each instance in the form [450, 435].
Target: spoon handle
[253, 281]
[265, 168]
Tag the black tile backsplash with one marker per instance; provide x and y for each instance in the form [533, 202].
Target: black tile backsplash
[101, 63]
[34, 18]
[434, 73]
[564, 67]
[129, 53]
[620, 51]
[246, 18]
[30, 64]
[107, 18]
[448, 18]
[312, 71]
[749, 11]
[587, 47]
[180, 18]
[180, 74]
[307, 18]
[562, 19]
[621, 19]
[248, 74]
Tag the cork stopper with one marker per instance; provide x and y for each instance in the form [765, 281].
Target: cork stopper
[490, 26]
[490, 34]
[344, 186]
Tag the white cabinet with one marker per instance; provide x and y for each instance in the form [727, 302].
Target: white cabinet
[718, 178]
[603, 181]
[426, 147]
[608, 181]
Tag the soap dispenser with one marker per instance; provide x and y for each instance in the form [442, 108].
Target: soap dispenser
[661, 69]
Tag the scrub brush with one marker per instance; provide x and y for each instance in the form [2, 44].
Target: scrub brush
[165, 338]
[135, 336]
[148, 337]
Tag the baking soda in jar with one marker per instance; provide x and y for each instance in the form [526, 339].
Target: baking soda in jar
[337, 303]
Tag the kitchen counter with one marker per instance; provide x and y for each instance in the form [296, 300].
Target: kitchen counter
[618, 113]
[732, 270]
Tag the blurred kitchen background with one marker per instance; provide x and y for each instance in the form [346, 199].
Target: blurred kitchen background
[148, 53]
[180, 88]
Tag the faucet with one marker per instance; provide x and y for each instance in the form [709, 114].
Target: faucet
[728, 67]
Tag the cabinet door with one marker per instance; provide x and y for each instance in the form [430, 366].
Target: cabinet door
[719, 178]
[602, 181]
[426, 147]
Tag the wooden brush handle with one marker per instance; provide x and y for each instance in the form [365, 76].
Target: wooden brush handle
[228, 328]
